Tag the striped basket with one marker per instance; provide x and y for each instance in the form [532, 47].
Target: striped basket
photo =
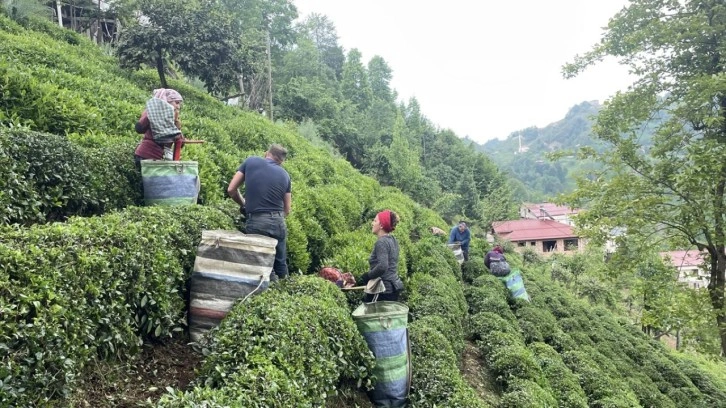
[170, 182]
[384, 325]
[229, 265]
[515, 284]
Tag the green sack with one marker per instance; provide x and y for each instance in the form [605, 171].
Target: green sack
[170, 182]
[384, 325]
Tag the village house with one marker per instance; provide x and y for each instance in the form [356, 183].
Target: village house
[548, 211]
[545, 236]
[689, 266]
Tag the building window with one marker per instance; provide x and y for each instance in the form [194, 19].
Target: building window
[533, 243]
[571, 244]
[549, 246]
[521, 244]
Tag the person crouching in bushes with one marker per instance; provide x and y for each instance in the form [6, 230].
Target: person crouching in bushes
[160, 126]
[383, 262]
[496, 262]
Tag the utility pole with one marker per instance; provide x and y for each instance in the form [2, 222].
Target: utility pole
[269, 72]
[58, 12]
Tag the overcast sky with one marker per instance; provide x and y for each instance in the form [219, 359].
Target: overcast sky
[481, 69]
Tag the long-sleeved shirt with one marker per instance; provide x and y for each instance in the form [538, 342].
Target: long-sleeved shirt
[148, 148]
[458, 236]
[384, 263]
[493, 256]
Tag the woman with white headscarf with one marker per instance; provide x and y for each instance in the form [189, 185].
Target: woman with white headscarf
[160, 126]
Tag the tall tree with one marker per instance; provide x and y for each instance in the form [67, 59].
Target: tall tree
[321, 31]
[355, 85]
[380, 75]
[676, 190]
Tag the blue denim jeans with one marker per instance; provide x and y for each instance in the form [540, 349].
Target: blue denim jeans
[271, 225]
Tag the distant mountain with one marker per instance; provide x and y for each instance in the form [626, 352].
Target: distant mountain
[523, 153]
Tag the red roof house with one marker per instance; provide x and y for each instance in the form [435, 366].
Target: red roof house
[689, 266]
[544, 236]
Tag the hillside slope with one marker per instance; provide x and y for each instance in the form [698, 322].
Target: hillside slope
[90, 288]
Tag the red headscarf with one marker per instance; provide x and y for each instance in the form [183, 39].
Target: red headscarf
[384, 217]
[498, 249]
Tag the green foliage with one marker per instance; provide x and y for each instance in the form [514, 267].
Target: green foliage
[352, 251]
[436, 377]
[431, 256]
[48, 178]
[88, 288]
[438, 296]
[526, 394]
[564, 383]
[264, 333]
[473, 269]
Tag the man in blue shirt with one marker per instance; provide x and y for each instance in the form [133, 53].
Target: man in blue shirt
[460, 234]
[267, 200]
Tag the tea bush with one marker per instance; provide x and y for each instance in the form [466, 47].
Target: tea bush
[564, 383]
[264, 334]
[526, 394]
[431, 256]
[473, 269]
[45, 177]
[436, 378]
[89, 288]
[429, 296]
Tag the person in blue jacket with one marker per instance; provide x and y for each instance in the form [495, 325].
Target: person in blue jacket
[460, 234]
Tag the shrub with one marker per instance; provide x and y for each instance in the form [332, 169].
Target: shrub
[432, 257]
[601, 389]
[429, 296]
[484, 323]
[44, 177]
[311, 340]
[565, 387]
[488, 299]
[526, 394]
[473, 269]
[92, 287]
[436, 378]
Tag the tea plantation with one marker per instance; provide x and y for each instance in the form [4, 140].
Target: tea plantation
[87, 274]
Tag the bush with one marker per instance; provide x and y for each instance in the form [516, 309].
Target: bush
[489, 299]
[436, 378]
[92, 287]
[526, 394]
[565, 387]
[44, 178]
[429, 296]
[310, 340]
[432, 257]
[473, 269]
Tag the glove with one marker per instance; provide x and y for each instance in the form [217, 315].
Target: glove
[364, 278]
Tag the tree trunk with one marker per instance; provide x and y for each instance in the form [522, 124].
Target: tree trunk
[716, 293]
[160, 68]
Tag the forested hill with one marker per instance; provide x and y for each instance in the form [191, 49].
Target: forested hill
[523, 153]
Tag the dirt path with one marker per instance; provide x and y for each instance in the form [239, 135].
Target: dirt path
[130, 384]
[475, 372]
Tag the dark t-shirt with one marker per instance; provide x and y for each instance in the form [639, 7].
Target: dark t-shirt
[266, 184]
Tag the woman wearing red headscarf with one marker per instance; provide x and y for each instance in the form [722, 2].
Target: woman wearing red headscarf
[384, 258]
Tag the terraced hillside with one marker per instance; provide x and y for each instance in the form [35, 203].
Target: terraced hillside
[87, 275]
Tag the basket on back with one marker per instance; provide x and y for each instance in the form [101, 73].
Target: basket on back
[229, 265]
